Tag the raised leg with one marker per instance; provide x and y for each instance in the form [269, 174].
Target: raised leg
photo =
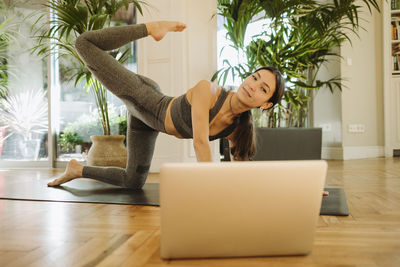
[141, 94]
[92, 46]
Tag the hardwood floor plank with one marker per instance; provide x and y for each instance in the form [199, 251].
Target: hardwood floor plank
[58, 256]
[127, 249]
[9, 256]
[29, 257]
[119, 242]
[140, 256]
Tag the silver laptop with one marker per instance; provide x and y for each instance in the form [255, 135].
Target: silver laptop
[234, 209]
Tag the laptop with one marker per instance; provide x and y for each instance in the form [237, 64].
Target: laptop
[240, 209]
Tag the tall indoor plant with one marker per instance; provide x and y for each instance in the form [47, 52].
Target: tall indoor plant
[299, 39]
[72, 18]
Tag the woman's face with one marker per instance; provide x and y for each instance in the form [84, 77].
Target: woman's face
[257, 89]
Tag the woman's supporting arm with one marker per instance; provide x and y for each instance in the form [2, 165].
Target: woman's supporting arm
[201, 99]
[203, 151]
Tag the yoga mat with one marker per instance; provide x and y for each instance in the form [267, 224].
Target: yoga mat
[79, 190]
[91, 191]
[335, 203]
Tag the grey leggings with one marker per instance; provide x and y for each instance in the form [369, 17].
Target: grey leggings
[142, 96]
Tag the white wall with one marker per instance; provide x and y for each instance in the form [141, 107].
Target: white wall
[327, 106]
[361, 101]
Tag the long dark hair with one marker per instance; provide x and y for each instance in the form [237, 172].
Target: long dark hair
[243, 138]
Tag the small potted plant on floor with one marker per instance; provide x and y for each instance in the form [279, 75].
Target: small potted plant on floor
[70, 142]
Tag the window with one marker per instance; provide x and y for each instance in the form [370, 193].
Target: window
[70, 112]
[24, 111]
[229, 53]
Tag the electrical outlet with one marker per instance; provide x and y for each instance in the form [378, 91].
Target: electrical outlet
[356, 128]
[326, 127]
[349, 61]
[352, 128]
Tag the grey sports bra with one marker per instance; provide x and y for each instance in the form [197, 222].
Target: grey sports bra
[181, 114]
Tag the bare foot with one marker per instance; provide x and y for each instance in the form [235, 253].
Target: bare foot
[158, 29]
[73, 170]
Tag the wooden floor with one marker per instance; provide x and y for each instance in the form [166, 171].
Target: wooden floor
[70, 234]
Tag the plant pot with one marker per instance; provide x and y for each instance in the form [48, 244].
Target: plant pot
[107, 150]
[29, 148]
[78, 149]
[288, 143]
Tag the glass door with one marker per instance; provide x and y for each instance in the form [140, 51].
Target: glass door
[45, 119]
[23, 94]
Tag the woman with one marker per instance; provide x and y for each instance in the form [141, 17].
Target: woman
[206, 112]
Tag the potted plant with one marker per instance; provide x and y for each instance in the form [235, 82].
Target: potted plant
[69, 141]
[88, 125]
[299, 38]
[72, 18]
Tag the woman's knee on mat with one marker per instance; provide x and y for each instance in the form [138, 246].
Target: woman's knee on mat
[137, 179]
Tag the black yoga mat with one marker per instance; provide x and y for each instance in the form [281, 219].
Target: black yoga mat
[91, 191]
[335, 203]
[79, 190]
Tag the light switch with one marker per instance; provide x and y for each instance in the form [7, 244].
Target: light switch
[349, 61]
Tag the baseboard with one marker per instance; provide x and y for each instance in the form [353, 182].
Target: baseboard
[352, 152]
[363, 152]
[332, 153]
[21, 164]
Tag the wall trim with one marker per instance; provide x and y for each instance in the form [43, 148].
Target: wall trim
[24, 164]
[363, 152]
[352, 152]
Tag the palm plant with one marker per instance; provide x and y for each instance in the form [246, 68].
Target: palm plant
[72, 18]
[299, 39]
[5, 38]
[8, 33]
